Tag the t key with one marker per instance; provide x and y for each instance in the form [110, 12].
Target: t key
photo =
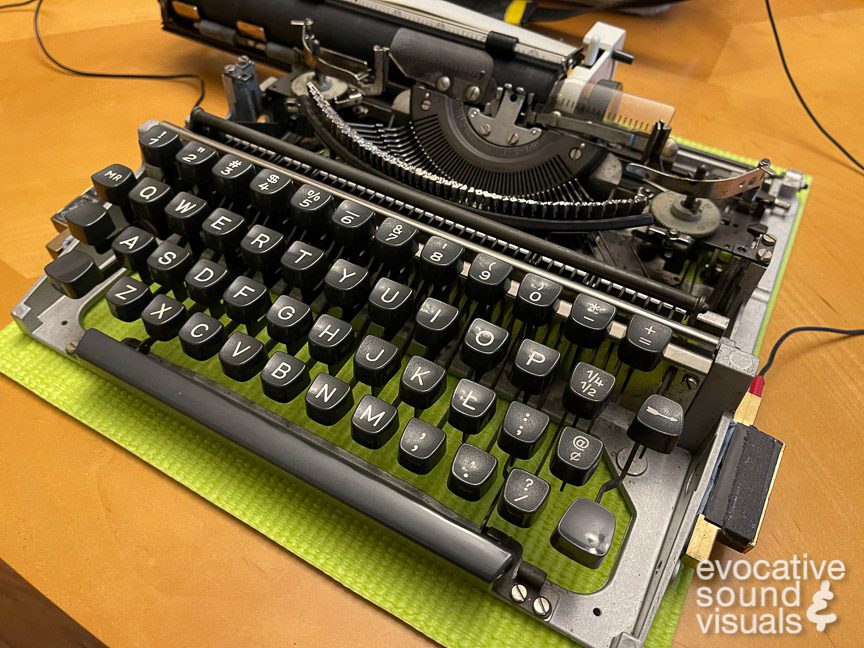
[437, 323]
[642, 348]
[328, 399]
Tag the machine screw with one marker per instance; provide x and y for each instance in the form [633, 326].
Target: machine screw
[443, 83]
[519, 593]
[484, 129]
[575, 153]
[764, 255]
[690, 381]
[425, 104]
[768, 240]
[542, 607]
[472, 93]
[513, 138]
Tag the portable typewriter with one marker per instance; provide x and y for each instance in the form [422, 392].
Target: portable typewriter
[465, 255]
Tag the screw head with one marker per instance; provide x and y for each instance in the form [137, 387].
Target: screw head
[575, 153]
[472, 93]
[513, 138]
[425, 104]
[519, 593]
[485, 129]
[690, 381]
[443, 83]
[542, 606]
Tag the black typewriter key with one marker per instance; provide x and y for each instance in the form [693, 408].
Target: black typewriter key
[436, 323]
[422, 383]
[330, 340]
[262, 248]
[194, 162]
[471, 473]
[163, 317]
[185, 213]
[148, 199]
[390, 303]
[133, 247]
[346, 285]
[374, 422]
[588, 391]
[231, 176]
[534, 367]
[522, 430]
[642, 348]
[421, 447]
[523, 497]
[394, 242]
[589, 321]
[113, 184]
[206, 281]
[536, 299]
[485, 345]
[223, 230]
[328, 399]
[310, 207]
[288, 320]
[440, 260]
[284, 377]
[169, 263]
[242, 357]
[271, 192]
[201, 336]
[159, 146]
[351, 224]
[488, 279]
[92, 225]
[74, 274]
[127, 299]
[585, 532]
[471, 407]
[246, 300]
[576, 456]
[303, 265]
[658, 424]
[376, 361]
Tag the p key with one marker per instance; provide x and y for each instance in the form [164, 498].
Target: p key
[534, 367]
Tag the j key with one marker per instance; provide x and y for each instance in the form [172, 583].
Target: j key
[588, 391]
[148, 199]
[159, 146]
[522, 430]
[113, 184]
[194, 162]
[471, 407]
[485, 345]
[185, 213]
[642, 348]
[201, 336]
[374, 422]
[422, 382]
[169, 264]
[303, 265]
[133, 247]
[271, 192]
[440, 260]
[262, 248]
[471, 473]
[585, 532]
[328, 399]
[390, 303]
[394, 242]
[330, 340]
[246, 300]
[163, 317]
[524, 496]
[589, 321]
[376, 361]
[284, 377]
[576, 456]
[223, 230]
[231, 176]
[534, 367]
[351, 224]
[288, 320]
[310, 207]
[242, 357]
[488, 279]
[74, 274]
[421, 447]
[536, 299]
[127, 299]
[658, 424]
[436, 323]
[346, 285]
[206, 281]
[91, 224]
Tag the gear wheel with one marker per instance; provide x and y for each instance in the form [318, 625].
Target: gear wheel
[702, 220]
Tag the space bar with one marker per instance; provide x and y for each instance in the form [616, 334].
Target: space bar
[327, 468]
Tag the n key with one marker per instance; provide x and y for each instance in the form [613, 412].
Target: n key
[328, 399]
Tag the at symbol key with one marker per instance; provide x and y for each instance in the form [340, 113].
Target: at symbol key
[576, 456]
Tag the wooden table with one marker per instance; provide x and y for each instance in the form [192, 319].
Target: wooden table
[136, 558]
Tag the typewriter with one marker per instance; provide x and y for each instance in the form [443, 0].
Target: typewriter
[436, 248]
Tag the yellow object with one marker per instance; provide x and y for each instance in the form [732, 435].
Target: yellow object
[701, 542]
[515, 11]
[748, 409]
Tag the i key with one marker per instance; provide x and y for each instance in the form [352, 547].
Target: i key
[328, 399]
[421, 447]
[536, 299]
[576, 456]
[485, 345]
[127, 299]
[376, 361]
[534, 367]
[488, 279]
[471, 473]
[524, 496]
[642, 348]
[374, 422]
[471, 407]
[522, 430]
[436, 324]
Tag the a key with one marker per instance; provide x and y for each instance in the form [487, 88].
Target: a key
[351, 224]
[148, 199]
[421, 447]
[642, 348]
[471, 473]
[284, 377]
[346, 285]
[202, 336]
[422, 383]
[223, 230]
[376, 361]
[330, 340]
[113, 184]
[522, 430]
[658, 424]
[288, 320]
[485, 345]
[231, 176]
[74, 274]
[472, 406]
[576, 456]
[271, 192]
[206, 282]
[262, 248]
[194, 162]
[168, 264]
[394, 242]
[536, 299]
[303, 265]
[242, 357]
[163, 317]
[246, 300]
[390, 303]
[488, 279]
[374, 422]
[185, 213]
[133, 247]
[585, 532]
[440, 260]
[588, 391]
[534, 367]
[436, 323]
[328, 399]
[127, 299]
[524, 497]
[310, 207]
[92, 225]
[589, 321]
[159, 146]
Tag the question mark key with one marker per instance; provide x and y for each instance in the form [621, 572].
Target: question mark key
[524, 496]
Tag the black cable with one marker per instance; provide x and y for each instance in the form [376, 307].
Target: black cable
[801, 329]
[109, 75]
[12, 5]
[798, 92]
